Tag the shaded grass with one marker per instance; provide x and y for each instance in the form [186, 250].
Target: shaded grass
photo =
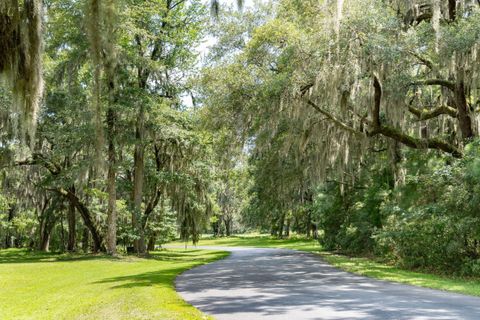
[64, 286]
[362, 266]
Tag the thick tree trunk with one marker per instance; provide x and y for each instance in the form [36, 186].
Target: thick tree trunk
[228, 227]
[151, 243]
[110, 65]
[111, 185]
[45, 239]
[71, 228]
[464, 120]
[138, 180]
[87, 218]
[47, 222]
[85, 240]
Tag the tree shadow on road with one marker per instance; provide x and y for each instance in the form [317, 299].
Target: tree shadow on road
[280, 284]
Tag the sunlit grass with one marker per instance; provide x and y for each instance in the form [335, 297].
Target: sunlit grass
[62, 286]
[370, 268]
[258, 241]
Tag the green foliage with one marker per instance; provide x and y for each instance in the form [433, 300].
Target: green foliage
[436, 224]
[430, 223]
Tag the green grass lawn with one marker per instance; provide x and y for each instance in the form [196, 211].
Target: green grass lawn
[362, 266]
[53, 286]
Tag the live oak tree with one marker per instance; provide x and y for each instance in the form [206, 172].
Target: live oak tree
[98, 78]
[326, 86]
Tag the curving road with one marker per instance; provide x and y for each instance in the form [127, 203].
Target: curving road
[254, 283]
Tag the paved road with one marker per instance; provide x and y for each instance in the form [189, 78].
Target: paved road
[282, 284]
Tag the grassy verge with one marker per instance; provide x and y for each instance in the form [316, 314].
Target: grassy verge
[53, 286]
[362, 266]
[369, 268]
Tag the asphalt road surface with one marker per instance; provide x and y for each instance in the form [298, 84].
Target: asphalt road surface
[283, 284]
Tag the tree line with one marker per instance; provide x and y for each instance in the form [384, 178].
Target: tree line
[352, 122]
[362, 117]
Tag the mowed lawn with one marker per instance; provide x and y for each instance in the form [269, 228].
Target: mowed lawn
[257, 241]
[53, 286]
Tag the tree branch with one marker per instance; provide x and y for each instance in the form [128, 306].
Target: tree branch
[397, 135]
[390, 132]
[433, 113]
[39, 159]
[417, 143]
[423, 60]
[435, 82]
[377, 102]
[333, 118]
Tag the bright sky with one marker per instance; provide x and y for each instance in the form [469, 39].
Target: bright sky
[209, 41]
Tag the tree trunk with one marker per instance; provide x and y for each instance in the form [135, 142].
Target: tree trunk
[281, 224]
[309, 223]
[396, 160]
[71, 228]
[151, 243]
[86, 216]
[452, 10]
[287, 231]
[111, 184]
[8, 236]
[46, 225]
[110, 66]
[464, 119]
[315, 231]
[228, 227]
[273, 230]
[85, 240]
[45, 239]
[138, 180]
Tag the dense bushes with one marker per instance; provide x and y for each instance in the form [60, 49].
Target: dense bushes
[432, 222]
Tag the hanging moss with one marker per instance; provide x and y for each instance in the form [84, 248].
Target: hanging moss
[21, 59]
[94, 36]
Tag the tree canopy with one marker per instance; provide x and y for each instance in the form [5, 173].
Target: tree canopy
[354, 122]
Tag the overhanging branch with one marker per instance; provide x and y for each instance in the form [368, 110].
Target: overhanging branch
[397, 135]
[391, 132]
[435, 82]
[426, 114]
[334, 119]
[417, 143]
